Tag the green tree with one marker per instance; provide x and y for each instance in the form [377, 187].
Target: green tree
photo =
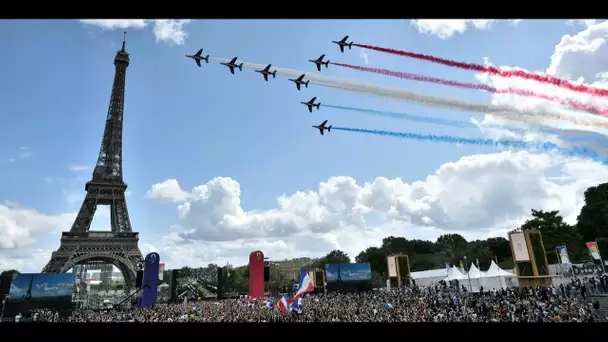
[500, 248]
[453, 246]
[554, 232]
[376, 257]
[593, 218]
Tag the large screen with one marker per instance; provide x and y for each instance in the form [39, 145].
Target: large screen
[53, 285]
[356, 272]
[347, 272]
[332, 271]
[42, 286]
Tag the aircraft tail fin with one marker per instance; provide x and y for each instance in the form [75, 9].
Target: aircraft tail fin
[206, 59]
[306, 83]
[318, 105]
[241, 66]
[327, 64]
[350, 46]
[329, 128]
[274, 74]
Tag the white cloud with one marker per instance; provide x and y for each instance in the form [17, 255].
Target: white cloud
[477, 196]
[22, 153]
[77, 167]
[446, 28]
[584, 22]
[165, 30]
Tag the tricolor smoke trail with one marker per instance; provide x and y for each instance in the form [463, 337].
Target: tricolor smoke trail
[525, 115]
[521, 92]
[543, 146]
[468, 124]
[493, 70]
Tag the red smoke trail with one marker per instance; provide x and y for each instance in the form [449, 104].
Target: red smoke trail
[493, 70]
[521, 92]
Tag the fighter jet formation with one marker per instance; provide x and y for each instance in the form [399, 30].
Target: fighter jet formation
[342, 43]
[319, 62]
[198, 57]
[266, 71]
[311, 104]
[299, 81]
[232, 64]
[322, 127]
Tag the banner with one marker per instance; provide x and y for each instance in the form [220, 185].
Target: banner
[391, 261]
[150, 281]
[520, 247]
[562, 252]
[161, 271]
[593, 250]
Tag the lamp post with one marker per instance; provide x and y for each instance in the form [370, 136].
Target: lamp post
[468, 274]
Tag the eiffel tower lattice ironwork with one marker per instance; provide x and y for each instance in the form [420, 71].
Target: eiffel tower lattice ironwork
[119, 246]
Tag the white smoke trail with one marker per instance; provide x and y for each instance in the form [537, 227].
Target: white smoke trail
[527, 116]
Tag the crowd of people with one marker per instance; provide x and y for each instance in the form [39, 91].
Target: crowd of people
[439, 303]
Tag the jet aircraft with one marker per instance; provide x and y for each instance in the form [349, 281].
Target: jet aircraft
[311, 104]
[198, 57]
[232, 64]
[319, 62]
[342, 43]
[322, 127]
[266, 71]
[299, 81]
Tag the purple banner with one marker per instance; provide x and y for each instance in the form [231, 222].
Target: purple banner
[150, 281]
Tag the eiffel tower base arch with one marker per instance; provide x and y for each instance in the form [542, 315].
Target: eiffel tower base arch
[121, 252]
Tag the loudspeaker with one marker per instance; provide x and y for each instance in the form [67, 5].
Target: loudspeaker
[173, 285]
[5, 284]
[266, 272]
[220, 280]
[139, 278]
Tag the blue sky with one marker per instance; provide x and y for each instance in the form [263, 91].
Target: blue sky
[194, 124]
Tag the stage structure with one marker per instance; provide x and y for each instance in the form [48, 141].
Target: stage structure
[529, 258]
[396, 264]
[256, 274]
[119, 246]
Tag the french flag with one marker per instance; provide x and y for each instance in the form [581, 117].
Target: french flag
[306, 286]
[285, 307]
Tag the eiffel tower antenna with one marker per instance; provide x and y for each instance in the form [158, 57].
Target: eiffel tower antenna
[118, 247]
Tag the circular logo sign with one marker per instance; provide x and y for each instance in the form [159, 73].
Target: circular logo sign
[153, 257]
[258, 255]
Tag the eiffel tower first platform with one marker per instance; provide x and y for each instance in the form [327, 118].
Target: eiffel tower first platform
[119, 246]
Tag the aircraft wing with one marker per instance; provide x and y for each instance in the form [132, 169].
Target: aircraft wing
[298, 85]
[198, 62]
[199, 52]
[323, 124]
[300, 78]
[233, 60]
[318, 66]
[265, 77]
[310, 108]
[267, 67]
[321, 130]
[321, 58]
[341, 48]
[344, 39]
[231, 69]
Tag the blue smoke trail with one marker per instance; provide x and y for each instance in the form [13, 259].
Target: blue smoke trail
[542, 146]
[465, 124]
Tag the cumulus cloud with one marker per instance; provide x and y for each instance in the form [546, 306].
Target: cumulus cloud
[478, 196]
[446, 28]
[171, 31]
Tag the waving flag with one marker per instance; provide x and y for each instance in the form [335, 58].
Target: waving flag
[285, 307]
[306, 286]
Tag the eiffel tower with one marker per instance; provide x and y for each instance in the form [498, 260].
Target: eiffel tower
[119, 246]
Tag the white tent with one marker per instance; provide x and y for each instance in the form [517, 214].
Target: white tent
[473, 279]
[495, 278]
[455, 274]
[474, 272]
